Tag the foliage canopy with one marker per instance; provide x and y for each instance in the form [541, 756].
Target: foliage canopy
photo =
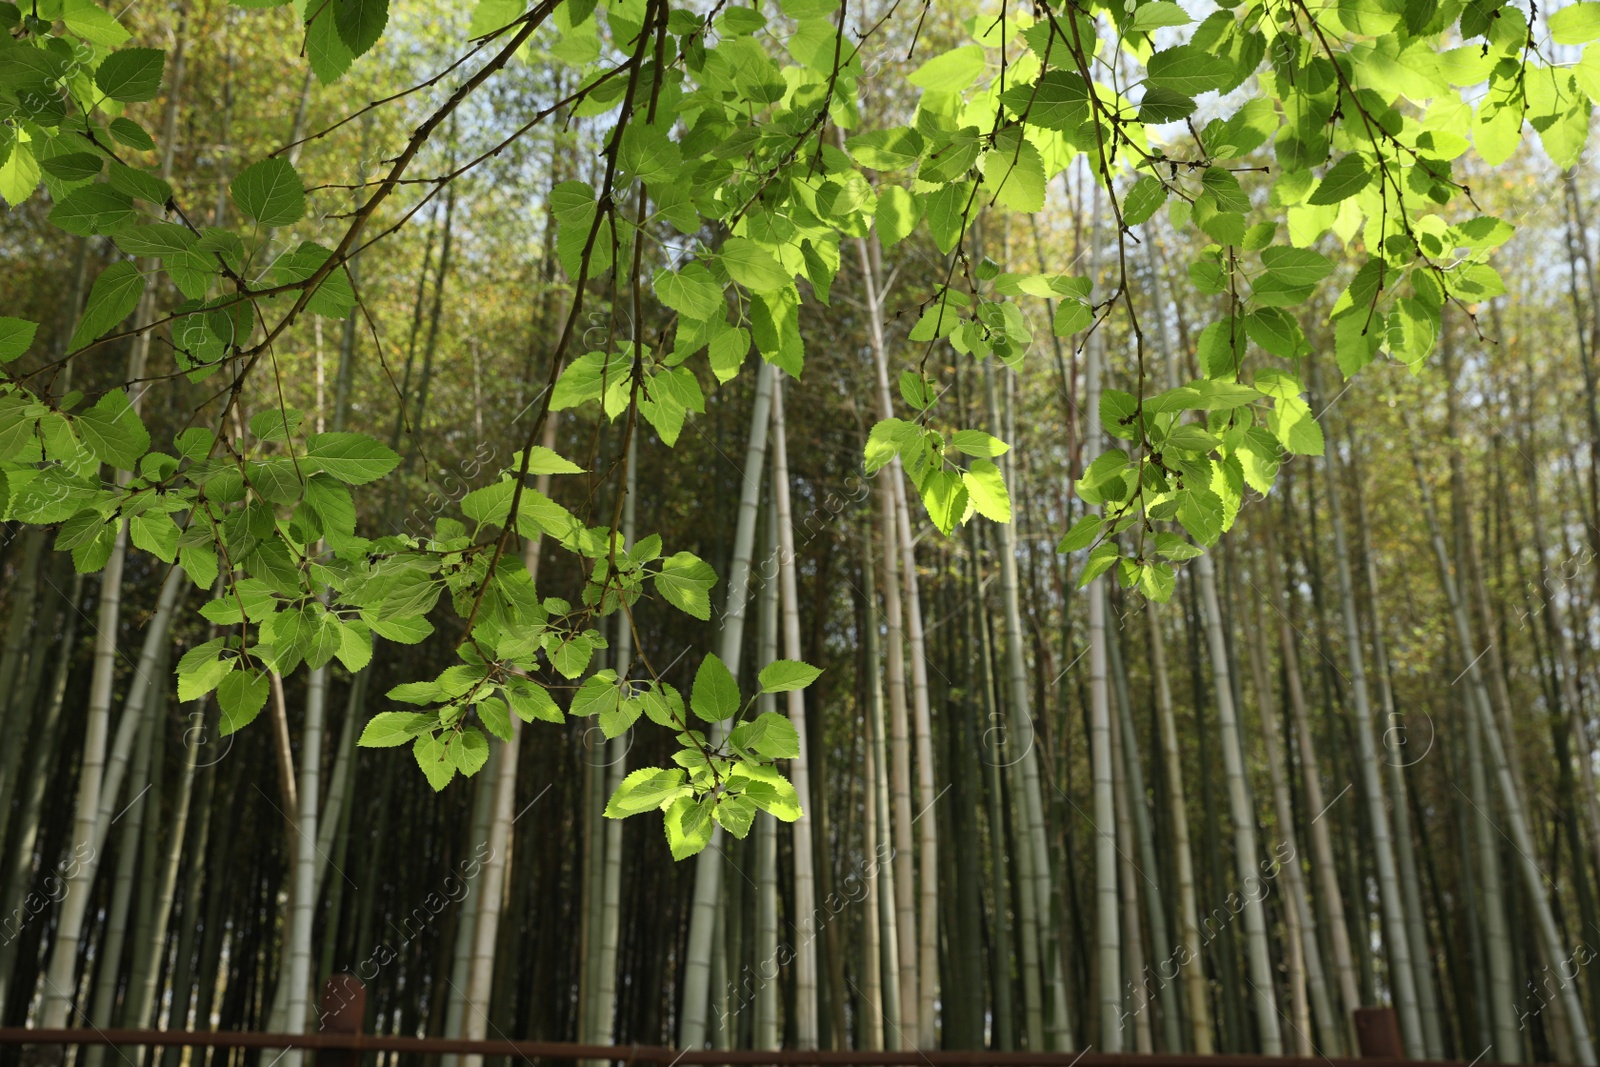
[737, 159]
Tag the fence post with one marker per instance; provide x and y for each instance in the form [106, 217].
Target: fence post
[340, 1011]
[1378, 1034]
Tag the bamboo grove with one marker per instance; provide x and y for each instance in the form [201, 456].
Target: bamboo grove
[1024, 526]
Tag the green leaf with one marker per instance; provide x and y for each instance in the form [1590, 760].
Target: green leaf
[140, 184]
[1221, 349]
[1412, 330]
[1220, 396]
[692, 292]
[114, 432]
[753, 266]
[360, 22]
[199, 655]
[353, 458]
[947, 214]
[574, 206]
[1343, 180]
[1082, 534]
[276, 424]
[735, 814]
[987, 490]
[15, 337]
[1174, 547]
[1190, 438]
[1072, 315]
[270, 192]
[19, 421]
[597, 695]
[685, 580]
[896, 215]
[918, 392]
[78, 530]
[616, 721]
[1141, 202]
[355, 646]
[944, 494]
[495, 718]
[74, 166]
[664, 707]
[330, 57]
[131, 74]
[688, 827]
[886, 440]
[406, 631]
[727, 353]
[94, 23]
[434, 758]
[531, 701]
[716, 695]
[542, 460]
[1159, 13]
[200, 564]
[978, 443]
[587, 378]
[891, 149]
[1223, 227]
[1119, 414]
[1292, 423]
[820, 268]
[460, 679]
[1160, 105]
[276, 480]
[782, 675]
[1183, 398]
[127, 132]
[93, 555]
[1260, 459]
[1106, 474]
[1577, 23]
[1296, 266]
[251, 597]
[951, 71]
[391, 730]
[740, 21]
[1225, 189]
[1200, 512]
[768, 789]
[1275, 330]
[197, 678]
[195, 443]
[93, 210]
[241, 696]
[52, 495]
[155, 533]
[770, 735]
[19, 174]
[334, 296]
[1014, 176]
[1356, 339]
[470, 751]
[491, 15]
[648, 155]
[646, 789]
[1187, 70]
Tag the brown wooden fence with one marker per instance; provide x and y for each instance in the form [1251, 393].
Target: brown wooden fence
[627, 1055]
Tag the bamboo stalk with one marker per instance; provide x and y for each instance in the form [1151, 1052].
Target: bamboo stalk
[708, 865]
[799, 768]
